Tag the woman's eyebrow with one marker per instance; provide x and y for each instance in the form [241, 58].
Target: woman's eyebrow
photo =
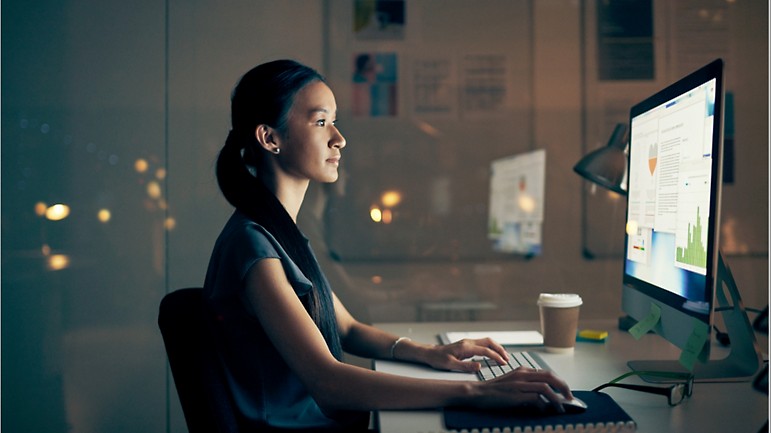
[317, 110]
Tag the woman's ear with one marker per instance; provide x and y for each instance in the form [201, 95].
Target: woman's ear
[266, 137]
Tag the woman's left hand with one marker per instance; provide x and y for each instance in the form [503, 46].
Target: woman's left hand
[456, 356]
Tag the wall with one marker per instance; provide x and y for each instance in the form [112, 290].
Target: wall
[91, 88]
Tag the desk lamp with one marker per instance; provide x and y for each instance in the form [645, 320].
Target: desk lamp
[607, 166]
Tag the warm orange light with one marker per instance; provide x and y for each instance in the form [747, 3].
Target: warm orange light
[526, 203]
[391, 198]
[57, 212]
[57, 262]
[377, 279]
[40, 208]
[104, 215]
[160, 174]
[428, 129]
[141, 165]
[153, 189]
[170, 223]
[387, 216]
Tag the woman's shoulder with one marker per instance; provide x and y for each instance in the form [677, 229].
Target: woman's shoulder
[243, 242]
[239, 225]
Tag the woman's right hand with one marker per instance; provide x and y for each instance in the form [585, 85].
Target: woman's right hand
[523, 386]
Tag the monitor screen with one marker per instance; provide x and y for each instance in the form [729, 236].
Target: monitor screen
[674, 177]
[674, 277]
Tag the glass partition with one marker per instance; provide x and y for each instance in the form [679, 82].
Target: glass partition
[112, 117]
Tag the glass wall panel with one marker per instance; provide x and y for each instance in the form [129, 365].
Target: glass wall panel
[113, 115]
[83, 209]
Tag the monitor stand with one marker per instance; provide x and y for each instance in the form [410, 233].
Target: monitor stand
[744, 360]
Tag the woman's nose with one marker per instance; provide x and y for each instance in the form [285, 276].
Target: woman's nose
[338, 140]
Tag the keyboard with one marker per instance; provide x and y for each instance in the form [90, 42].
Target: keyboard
[491, 369]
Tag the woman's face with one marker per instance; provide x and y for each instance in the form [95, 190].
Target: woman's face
[311, 144]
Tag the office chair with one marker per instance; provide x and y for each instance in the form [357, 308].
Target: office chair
[197, 376]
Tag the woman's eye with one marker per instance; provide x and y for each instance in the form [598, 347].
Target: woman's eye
[321, 122]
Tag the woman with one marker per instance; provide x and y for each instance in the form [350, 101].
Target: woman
[282, 329]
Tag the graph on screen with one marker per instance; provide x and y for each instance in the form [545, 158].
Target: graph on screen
[694, 253]
[692, 217]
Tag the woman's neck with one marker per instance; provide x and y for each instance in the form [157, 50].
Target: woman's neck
[289, 191]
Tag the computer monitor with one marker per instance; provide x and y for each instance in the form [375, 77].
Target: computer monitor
[673, 273]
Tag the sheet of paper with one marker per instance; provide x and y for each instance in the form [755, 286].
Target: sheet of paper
[517, 202]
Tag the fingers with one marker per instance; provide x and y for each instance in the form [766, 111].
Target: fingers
[482, 347]
[537, 383]
[497, 348]
[468, 366]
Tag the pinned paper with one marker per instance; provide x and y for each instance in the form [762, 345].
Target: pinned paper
[643, 326]
[695, 346]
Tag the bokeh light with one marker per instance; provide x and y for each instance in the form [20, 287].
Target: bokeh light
[140, 165]
[387, 216]
[170, 223]
[57, 262]
[103, 215]
[40, 208]
[57, 212]
[153, 189]
[631, 227]
[391, 198]
[376, 214]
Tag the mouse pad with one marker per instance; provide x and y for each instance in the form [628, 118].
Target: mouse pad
[602, 411]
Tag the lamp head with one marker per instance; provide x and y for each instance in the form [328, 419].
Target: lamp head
[607, 166]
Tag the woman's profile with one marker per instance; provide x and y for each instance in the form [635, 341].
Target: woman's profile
[282, 330]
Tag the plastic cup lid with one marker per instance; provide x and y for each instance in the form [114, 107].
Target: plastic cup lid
[559, 300]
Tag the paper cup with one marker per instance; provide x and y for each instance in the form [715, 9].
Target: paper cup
[559, 320]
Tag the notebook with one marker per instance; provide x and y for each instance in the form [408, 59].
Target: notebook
[505, 338]
[603, 415]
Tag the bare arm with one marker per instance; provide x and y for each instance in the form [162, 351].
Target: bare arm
[370, 342]
[336, 385]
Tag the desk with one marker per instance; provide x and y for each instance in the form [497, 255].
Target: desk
[714, 407]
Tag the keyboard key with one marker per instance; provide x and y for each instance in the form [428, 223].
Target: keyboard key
[491, 369]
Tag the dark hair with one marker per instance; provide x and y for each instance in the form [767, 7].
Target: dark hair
[264, 95]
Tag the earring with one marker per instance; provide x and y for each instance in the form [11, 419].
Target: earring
[276, 151]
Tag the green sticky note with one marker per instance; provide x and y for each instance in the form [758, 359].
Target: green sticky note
[643, 326]
[694, 347]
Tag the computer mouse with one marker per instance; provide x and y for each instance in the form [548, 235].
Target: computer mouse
[574, 405]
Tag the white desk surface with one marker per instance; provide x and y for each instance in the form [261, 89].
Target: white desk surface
[714, 407]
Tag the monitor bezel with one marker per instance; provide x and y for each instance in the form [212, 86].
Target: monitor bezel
[713, 70]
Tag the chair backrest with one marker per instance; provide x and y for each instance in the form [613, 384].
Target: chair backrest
[190, 347]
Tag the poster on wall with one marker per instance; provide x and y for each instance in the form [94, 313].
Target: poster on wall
[485, 85]
[375, 84]
[516, 202]
[434, 87]
[378, 19]
[625, 48]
